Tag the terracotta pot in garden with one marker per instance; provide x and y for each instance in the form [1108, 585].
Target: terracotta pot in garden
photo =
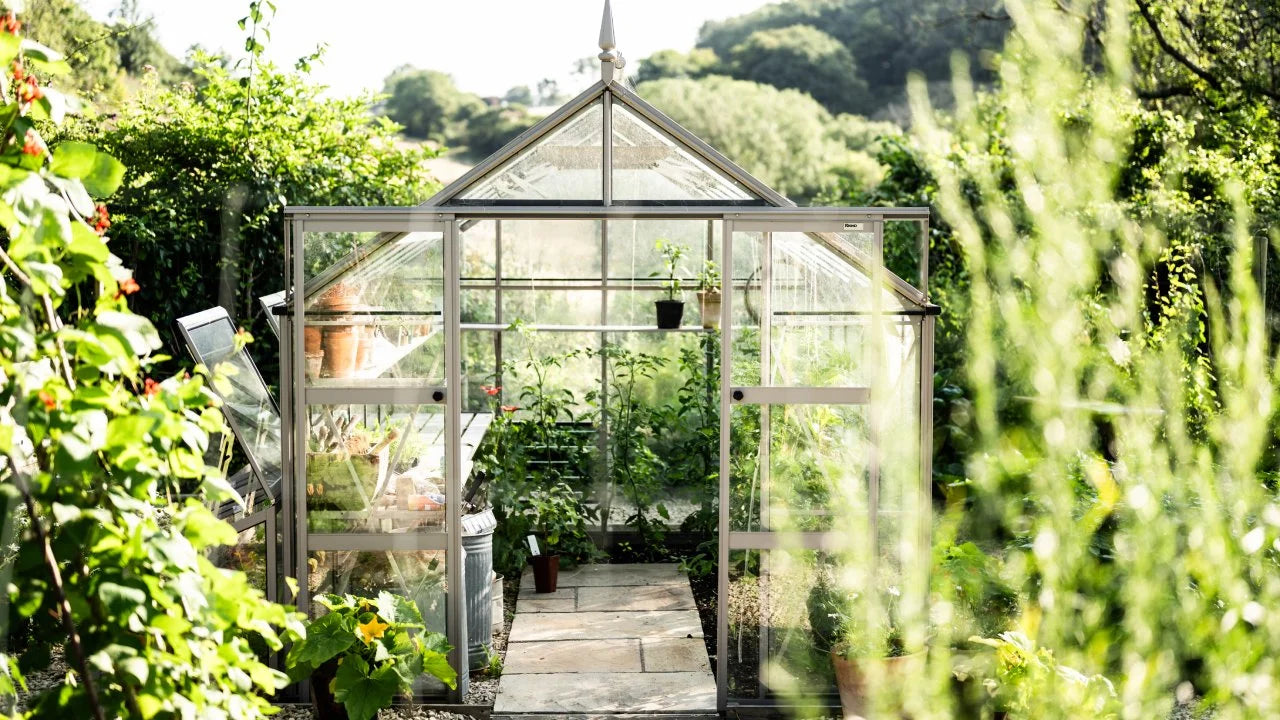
[853, 675]
[341, 348]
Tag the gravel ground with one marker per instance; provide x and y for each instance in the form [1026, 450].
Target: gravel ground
[483, 689]
[303, 712]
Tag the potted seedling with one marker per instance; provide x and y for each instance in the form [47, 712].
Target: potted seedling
[555, 514]
[670, 310]
[363, 652]
[870, 653]
[709, 294]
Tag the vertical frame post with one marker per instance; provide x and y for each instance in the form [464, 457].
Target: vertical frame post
[726, 373]
[606, 193]
[456, 597]
[602, 438]
[297, 392]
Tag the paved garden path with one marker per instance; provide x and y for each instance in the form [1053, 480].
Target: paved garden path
[612, 640]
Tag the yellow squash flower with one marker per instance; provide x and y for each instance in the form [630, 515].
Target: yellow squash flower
[372, 630]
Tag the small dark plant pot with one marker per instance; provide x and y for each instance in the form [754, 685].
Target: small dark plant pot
[670, 313]
[321, 697]
[546, 570]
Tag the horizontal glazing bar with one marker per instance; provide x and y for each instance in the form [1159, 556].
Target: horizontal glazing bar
[315, 217]
[834, 540]
[374, 392]
[800, 395]
[370, 542]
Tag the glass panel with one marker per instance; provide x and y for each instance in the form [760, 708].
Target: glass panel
[820, 309]
[246, 400]
[376, 468]
[791, 608]
[378, 314]
[633, 253]
[567, 164]
[550, 250]
[663, 419]
[419, 575]
[322, 250]
[248, 555]
[648, 164]
[902, 249]
[818, 461]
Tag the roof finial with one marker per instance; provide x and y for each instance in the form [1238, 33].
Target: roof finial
[608, 61]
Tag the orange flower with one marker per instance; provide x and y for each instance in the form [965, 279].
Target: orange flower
[490, 390]
[29, 89]
[32, 145]
[128, 287]
[510, 408]
[151, 387]
[49, 401]
[101, 219]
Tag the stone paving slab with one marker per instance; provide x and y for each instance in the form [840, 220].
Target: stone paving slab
[538, 604]
[675, 655]
[611, 641]
[526, 590]
[573, 656]
[594, 693]
[644, 597]
[528, 627]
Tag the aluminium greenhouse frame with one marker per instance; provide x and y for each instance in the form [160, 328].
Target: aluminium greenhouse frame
[447, 220]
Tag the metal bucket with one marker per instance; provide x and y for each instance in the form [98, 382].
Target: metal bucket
[477, 569]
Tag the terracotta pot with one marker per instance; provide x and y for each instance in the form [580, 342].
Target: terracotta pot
[339, 298]
[853, 675]
[326, 707]
[709, 303]
[341, 347]
[312, 336]
[315, 362]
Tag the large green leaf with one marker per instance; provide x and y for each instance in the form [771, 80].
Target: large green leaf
[105, 177]
[361, 692]
[73, 159]
[326, 638]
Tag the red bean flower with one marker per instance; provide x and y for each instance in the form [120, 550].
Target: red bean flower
[151, 387]
[128, 287]
[10, 23]
[49, 401]
[101, 219]
[510, 408]
[491, 390]
[32, 144]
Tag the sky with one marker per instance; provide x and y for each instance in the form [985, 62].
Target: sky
[488, 46]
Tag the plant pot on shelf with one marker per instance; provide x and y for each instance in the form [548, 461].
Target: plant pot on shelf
[546, 570]
[312, 339]
[340, 298]
[670, 313]
[364, 353]
[709, 303]
[341, 351]
[322, 700]
[854, 675]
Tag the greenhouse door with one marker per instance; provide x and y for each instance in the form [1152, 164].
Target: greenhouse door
[820, 442]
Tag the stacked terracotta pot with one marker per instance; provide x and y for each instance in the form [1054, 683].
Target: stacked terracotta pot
[339, 344]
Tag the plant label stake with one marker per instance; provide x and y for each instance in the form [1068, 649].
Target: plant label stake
[533, 546]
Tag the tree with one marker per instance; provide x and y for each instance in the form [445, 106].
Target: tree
[783, 137]
[888, 39]
[806, 59]
[519, 95]
[495, 127]
[89, 45]
[428, 103]
[200, 211]
[696, 63]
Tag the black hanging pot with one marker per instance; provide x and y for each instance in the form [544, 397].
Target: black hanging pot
[670, 313]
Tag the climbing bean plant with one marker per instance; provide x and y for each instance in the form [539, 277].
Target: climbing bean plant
[109, 566]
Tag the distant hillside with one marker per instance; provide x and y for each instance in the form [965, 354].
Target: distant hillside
[853, 55]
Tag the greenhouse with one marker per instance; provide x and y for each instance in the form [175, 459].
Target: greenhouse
[516, 352]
